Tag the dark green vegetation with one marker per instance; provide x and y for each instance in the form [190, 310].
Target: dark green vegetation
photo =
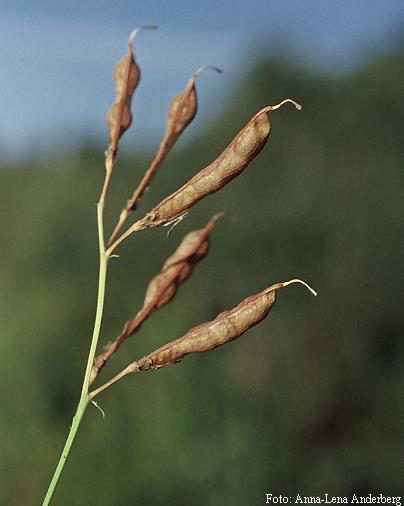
[310, 401]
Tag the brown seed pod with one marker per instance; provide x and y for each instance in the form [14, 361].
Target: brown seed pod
[163, 287]
[235, 158]
[226, 327]
[126, 79]
[181, 112]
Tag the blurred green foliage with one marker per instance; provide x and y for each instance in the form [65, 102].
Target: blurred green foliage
[310, 401]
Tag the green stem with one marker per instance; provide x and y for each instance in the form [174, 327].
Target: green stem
[84, 397]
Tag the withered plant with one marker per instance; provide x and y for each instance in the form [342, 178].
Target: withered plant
[228, 325]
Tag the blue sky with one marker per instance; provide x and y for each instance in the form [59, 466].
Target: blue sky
[56, 57]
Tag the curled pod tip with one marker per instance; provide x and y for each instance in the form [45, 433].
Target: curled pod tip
[268, 108]
[202, 69]
[298, 106]
[138, 29]
[291, 282]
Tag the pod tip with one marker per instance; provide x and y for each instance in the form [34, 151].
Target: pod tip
[286, 283]
[138, 29]
[205, 67]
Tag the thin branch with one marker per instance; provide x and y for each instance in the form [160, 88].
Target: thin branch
[128, 370]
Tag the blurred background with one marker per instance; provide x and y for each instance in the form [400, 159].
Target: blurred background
[311, 400]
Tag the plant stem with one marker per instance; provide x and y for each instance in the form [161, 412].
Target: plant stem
[84, 397]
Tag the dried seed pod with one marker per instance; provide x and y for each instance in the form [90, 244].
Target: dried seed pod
[126, 79]
[163, 287]
[226, 327]
[181, 112]
[235, 158]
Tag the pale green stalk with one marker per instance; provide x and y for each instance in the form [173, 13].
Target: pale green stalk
[84, 397]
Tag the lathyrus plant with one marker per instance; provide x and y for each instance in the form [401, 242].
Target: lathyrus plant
[228, 325]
